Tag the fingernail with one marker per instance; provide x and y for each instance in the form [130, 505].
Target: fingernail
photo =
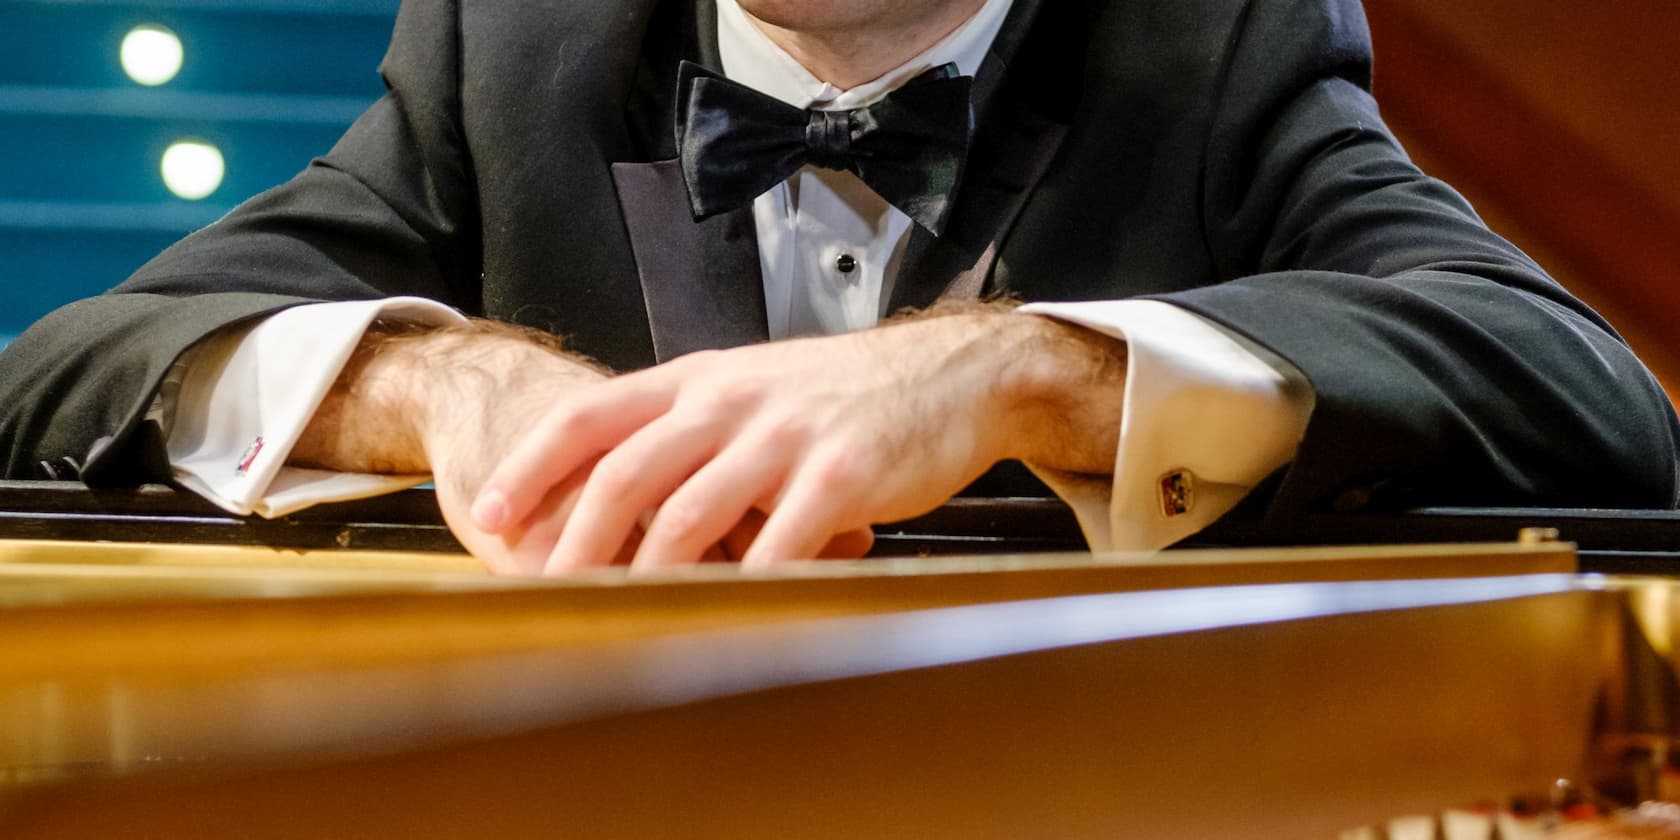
[490, 511]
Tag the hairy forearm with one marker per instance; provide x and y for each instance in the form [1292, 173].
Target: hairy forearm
[399, 395]
[1064, 390]
[1056, 391]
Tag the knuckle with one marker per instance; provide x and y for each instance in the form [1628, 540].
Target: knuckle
[614, 476]
[834, 470]
[565, 422]
[678, 521]
[733, 396]
[781, 432]
[682, 429]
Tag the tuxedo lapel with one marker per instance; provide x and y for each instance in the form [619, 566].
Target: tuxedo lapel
[1020, 129]
[700, 280]
[1004, 165]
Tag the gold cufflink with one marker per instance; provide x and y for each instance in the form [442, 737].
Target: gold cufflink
[1178, 493]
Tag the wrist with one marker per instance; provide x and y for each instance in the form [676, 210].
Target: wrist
[407, 395]
[364, 422]
[1060, 392]
[484, 383]
[1032, 388]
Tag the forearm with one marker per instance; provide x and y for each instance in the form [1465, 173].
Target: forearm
[1055, 390]
[1064, 387]
[405, 390]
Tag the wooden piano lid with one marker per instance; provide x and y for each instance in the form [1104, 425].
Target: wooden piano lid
[1274, 710]
[1003, 697]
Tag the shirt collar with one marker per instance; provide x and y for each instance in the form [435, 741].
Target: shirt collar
[751, 58]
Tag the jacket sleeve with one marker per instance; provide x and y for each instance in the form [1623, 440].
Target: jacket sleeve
[1448, 367]
[391, 210]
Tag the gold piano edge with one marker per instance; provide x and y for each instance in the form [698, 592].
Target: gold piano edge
[1144, 733]
[69, 621]
[16, 553]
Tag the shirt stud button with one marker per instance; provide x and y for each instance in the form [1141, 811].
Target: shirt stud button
[846, 264]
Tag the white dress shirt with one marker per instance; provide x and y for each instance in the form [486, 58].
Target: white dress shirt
[810, 222]
[1205, 419]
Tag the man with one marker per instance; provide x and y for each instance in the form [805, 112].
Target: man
[1221, 157]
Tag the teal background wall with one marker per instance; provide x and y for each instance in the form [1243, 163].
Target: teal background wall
[271, 83]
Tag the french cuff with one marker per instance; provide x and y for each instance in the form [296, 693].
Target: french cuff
[247, 395]
[1206, 418]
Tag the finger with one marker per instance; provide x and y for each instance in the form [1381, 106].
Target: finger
[740, 538]
[709, 505]
[802, 523]
[628, 550]
[714, 553]
[557, 446]
[524, 548]
[849, 545]
[634, 477]
[599, 418]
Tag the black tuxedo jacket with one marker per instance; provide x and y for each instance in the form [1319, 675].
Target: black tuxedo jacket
[1223, 155]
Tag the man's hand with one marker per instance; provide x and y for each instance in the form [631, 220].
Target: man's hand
[824, 436]
[451, 402]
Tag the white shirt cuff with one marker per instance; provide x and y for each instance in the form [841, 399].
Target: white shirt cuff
[248, 394]
[1205, 420]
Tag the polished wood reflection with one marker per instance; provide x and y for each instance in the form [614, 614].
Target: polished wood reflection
[1029, 719]
[147, 677]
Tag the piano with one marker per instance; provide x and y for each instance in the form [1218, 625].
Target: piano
[183, 687]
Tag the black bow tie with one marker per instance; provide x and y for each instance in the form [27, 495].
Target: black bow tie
[736, 143]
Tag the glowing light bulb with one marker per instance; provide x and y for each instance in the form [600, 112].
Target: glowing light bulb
[151, 54]
[192, 169]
